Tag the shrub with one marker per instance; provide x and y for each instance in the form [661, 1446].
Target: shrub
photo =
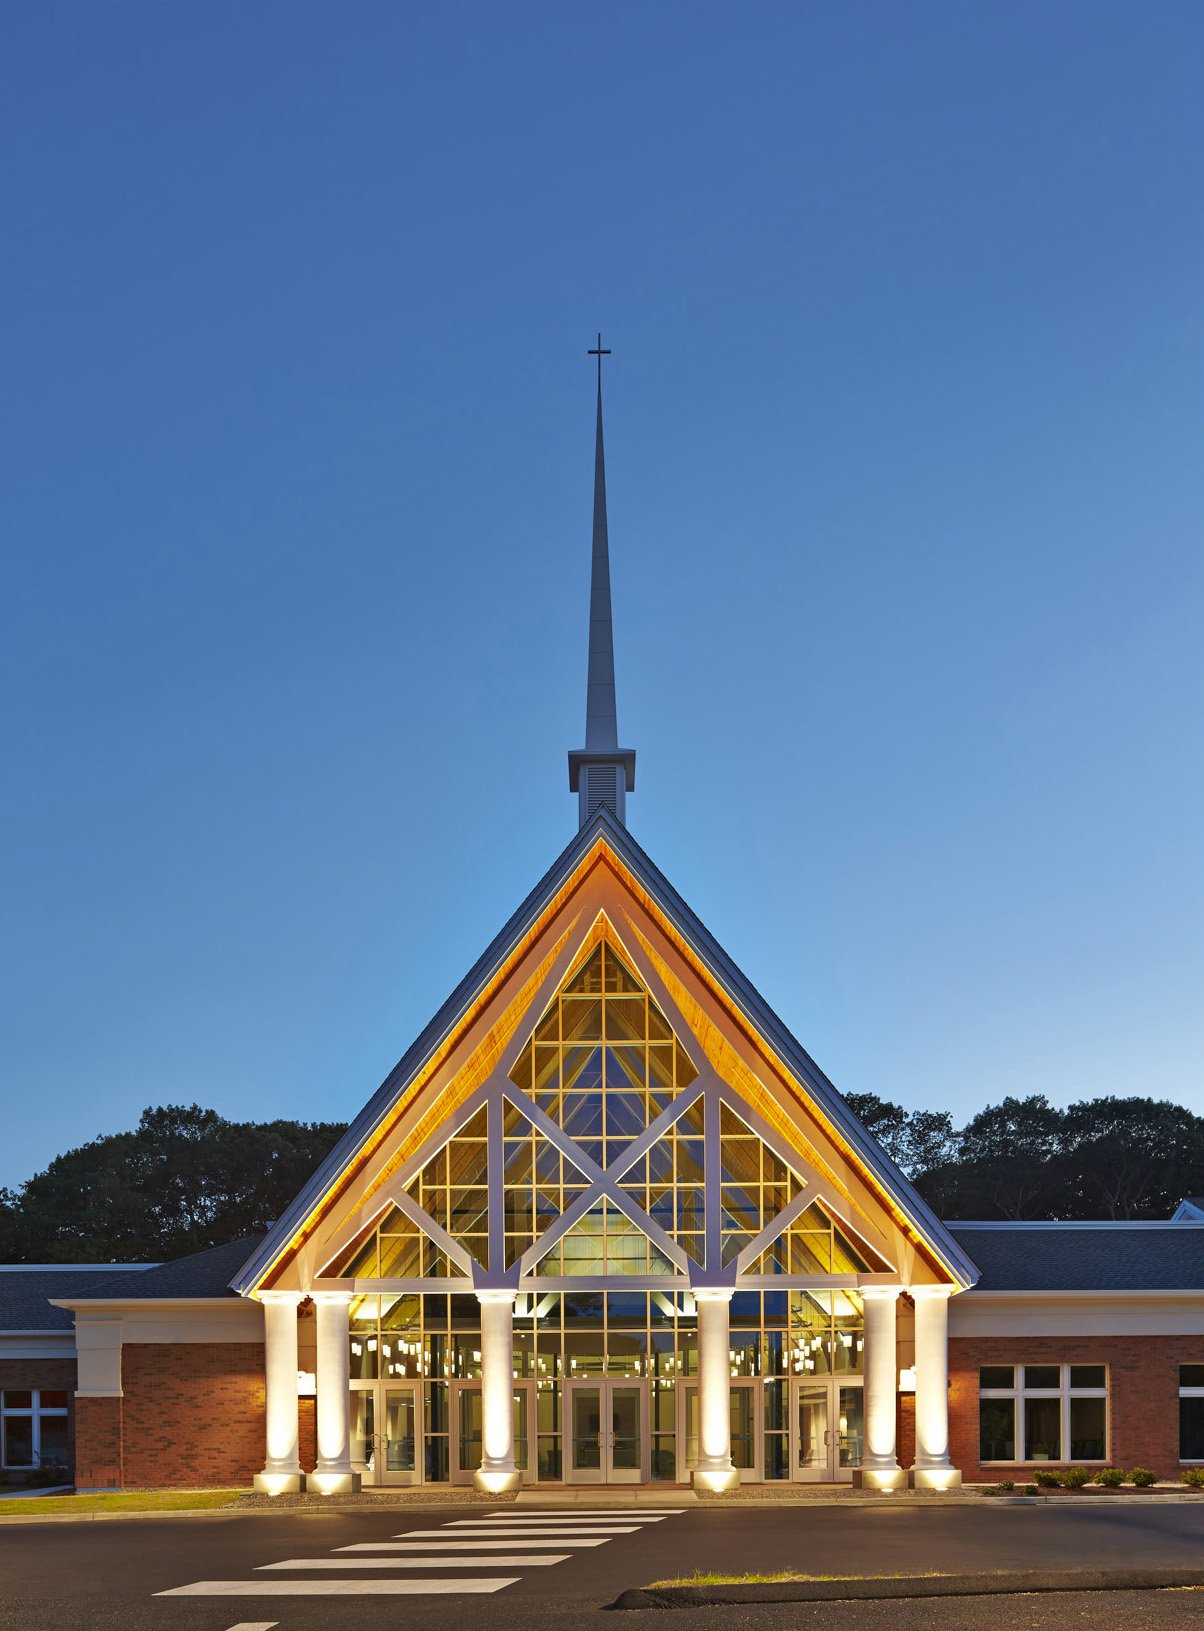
[1194, 1478]
[1074, 1478]
[1047, 1479]
[1110, 1477]
[1142, 1477]
[1008, 1483]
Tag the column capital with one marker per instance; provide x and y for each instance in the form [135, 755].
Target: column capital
[280, 1299]
[918, 1292]
[712, 1294]
[332, 1298]
[494, 1296]
[882, 1294]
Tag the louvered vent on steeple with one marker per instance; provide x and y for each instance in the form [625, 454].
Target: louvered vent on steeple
[602, 773]
[603, 789]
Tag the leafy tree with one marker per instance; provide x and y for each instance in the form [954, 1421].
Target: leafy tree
[1007, 1161]
[184, 1179]
[884, 1121]
[1129, 1158]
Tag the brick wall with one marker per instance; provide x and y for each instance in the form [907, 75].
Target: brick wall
[98, 1444]
[44, 1373]
[905, 1429]
[194, 1413]
[1143, 1380]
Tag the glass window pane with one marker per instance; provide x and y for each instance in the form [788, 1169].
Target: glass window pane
[1042, 1376]
[996, 1429]
[1042, 1429]
[18, 1441]
[996, 1376]
[1088, 1376]
[1191, 1375]
[1191, 1429]
[1088, 1429]
[50, 1399]
[18, 1399]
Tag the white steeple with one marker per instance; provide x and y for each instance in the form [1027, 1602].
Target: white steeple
[602, 773]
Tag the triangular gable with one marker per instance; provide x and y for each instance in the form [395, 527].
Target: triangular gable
[478, 1032]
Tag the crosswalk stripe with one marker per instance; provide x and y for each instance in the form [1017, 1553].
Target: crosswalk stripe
[523, 1521]
[509, 1562]
[651, 1514]
[459, 1543]
[336, 1588]
[469, 1527]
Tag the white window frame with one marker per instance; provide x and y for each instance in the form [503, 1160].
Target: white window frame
[1018, 1393]
[1190, 1393]
[33, 1413]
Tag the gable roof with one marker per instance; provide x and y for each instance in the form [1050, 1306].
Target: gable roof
[1086, 1257]
[722, 970]
[200, 1274]
[25, 1293]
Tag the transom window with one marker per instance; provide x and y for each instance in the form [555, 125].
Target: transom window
[1191, 1412]
[1035, 1413]
[33, 1428]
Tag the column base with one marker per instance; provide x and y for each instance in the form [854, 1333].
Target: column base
[278, 1483]
[934, 1478]
[879, 1478]
[332, 1483]
[497, 1481]
[716, 1480]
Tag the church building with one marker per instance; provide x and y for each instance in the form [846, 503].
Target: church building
[606, 1222]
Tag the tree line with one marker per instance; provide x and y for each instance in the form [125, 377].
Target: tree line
[186, 1178]
[1024, 1159]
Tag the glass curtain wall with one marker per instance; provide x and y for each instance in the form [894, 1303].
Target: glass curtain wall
[603, 1063]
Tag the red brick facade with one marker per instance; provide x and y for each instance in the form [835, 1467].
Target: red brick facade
[1143, 1385]
[191, 1417]
[98, 1444]
[194, 1413]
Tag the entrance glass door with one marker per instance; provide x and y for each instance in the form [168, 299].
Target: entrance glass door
[744, 1403]
[384, 1432]
[827, 1429]
[466, 1435]
[607, 1432]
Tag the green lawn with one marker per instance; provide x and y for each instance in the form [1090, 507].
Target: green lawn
[149, 1500]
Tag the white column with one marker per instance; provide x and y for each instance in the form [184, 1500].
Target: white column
[932, 1468]
[333, 1474]
[497, 1471]
[282, 1470]
[714, 1470]
[879, 1465]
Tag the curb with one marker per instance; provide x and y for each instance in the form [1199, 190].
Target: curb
[915, 1586]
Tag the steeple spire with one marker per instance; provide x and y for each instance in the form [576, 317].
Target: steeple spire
[601, 773]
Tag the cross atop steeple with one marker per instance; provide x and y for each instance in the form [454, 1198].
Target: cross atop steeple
[601, 773]
[597, 351]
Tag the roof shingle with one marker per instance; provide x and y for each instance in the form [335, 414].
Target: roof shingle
[1063, 1257]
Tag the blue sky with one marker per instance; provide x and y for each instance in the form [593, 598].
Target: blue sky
[903, 441]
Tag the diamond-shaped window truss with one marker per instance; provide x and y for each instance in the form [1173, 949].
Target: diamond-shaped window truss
[755, 1184]
[395, 1248]
[604, 1122]
[603, 1062]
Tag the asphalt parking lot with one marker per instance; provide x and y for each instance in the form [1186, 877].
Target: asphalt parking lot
[429, 1568]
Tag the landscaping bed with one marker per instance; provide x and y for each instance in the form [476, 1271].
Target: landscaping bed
[1107, 1481]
